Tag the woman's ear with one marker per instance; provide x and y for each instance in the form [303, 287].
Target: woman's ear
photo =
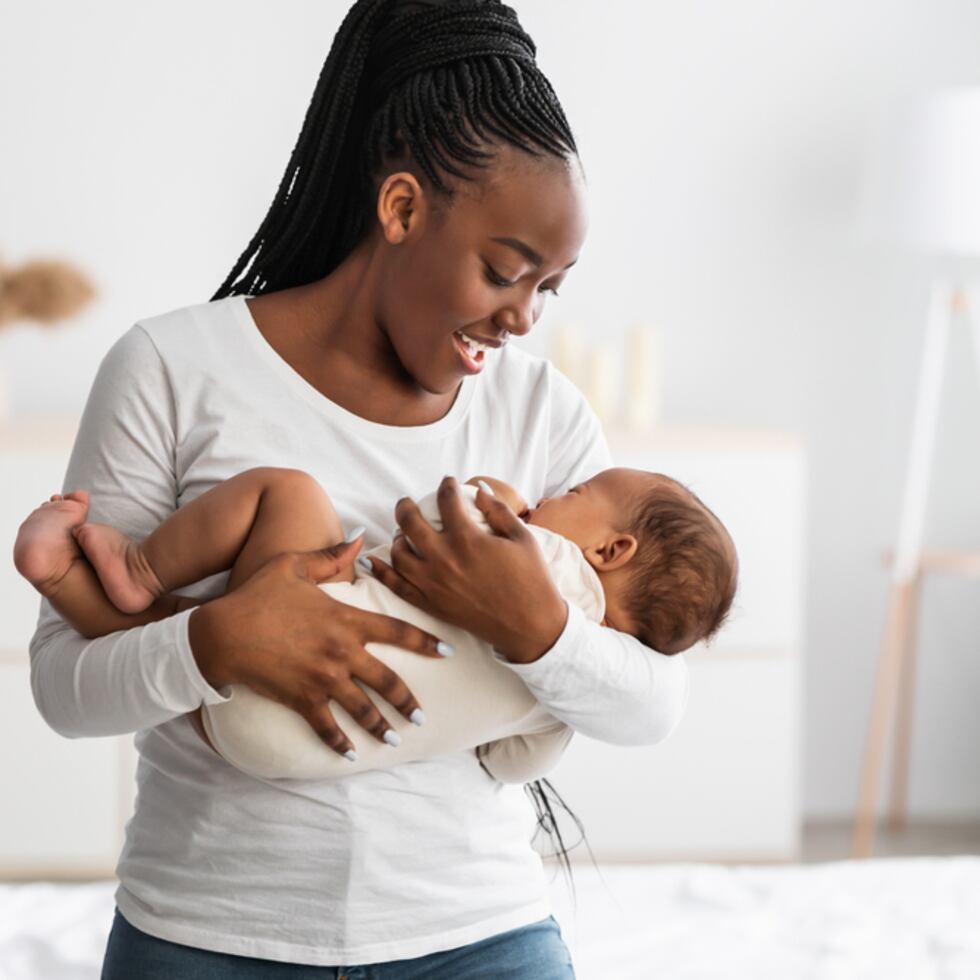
[399, 201]
[617, 549]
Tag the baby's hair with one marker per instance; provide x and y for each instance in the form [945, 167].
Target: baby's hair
[684, 572]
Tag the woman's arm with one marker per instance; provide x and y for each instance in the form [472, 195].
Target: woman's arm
[124, 456]
[601, 682]
[278, 632]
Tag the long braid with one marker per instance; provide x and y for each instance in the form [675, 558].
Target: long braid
[434, 82]
[437, 82]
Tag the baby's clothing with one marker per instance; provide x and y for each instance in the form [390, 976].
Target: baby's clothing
[470, 699]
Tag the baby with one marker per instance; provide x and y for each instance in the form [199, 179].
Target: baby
[635, 551]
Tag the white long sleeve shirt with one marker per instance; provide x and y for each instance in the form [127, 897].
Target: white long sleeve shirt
[384, 864]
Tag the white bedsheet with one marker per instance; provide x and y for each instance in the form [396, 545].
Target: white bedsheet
[896, 919]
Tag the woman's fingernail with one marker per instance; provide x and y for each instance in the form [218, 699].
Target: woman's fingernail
[417, 717]
[392, 737]
[351, 754]
[355, 534]
[364, 563]
[484, 486]
[444, 648]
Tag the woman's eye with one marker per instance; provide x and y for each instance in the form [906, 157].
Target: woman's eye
[499, 280]
[496, 279]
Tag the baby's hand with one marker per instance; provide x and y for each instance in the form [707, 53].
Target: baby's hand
[504, 492]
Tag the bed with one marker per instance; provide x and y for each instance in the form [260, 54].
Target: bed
[887, 919]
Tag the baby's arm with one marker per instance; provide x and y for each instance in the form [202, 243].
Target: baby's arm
[503, 491]
[526, 757]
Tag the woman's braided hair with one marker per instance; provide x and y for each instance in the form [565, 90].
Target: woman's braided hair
[430, 83]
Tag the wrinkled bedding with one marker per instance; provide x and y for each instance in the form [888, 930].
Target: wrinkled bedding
[901, 919]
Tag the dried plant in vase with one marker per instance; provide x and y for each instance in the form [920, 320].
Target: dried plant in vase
[42, 290]
[45, 291]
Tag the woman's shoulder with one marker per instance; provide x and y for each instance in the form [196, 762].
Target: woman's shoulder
[516, 370]
[197, 325]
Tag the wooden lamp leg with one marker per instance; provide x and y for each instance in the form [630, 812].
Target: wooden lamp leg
[898, 809]
[883, 699]
[943, 299]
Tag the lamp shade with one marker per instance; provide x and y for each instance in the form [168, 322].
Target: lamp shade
[922, 177]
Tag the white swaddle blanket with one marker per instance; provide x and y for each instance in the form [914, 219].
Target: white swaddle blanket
[471, 700]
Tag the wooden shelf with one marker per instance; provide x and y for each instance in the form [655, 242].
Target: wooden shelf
[695, 437]
[39, 433]
[957, 562]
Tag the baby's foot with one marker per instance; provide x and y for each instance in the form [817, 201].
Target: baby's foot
[45, 549]
[124, 572]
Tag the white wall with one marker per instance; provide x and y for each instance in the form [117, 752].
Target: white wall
[722, 142]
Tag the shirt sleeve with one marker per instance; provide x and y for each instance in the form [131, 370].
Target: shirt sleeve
[600, 681]
[124, 457]
[528, 756]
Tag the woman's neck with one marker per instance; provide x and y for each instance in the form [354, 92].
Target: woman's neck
[327, 332]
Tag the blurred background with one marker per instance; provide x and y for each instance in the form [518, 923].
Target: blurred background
[725, 147]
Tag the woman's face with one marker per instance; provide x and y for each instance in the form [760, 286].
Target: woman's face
[484, 267]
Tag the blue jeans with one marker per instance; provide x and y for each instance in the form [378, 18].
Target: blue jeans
[534, 951]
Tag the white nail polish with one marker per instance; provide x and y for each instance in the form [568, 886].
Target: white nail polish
[445, 649]
[355, 534]
[484, 486]
[351, 754]
[363, 563]
[417, 717]
[392, 737]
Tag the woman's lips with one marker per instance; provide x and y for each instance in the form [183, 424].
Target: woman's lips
[471, 364]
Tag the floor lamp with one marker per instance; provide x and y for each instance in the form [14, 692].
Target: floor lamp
[923, 190]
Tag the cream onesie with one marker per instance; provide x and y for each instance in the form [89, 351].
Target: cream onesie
[470, 699]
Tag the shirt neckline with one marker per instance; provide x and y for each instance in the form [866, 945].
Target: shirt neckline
[325, 406]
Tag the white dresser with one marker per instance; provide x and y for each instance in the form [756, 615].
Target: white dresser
[65, 801]
[725, 785]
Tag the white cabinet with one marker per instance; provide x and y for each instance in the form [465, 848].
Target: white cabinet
[64, 801]
[726, 784]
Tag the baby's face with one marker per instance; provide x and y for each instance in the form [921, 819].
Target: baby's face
[590, 510]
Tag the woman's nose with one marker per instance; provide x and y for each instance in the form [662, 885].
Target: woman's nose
[520, 317]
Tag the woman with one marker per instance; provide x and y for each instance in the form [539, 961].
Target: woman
[434, 190]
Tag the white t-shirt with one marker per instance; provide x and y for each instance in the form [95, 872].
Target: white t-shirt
[471, 700]
[384, 864]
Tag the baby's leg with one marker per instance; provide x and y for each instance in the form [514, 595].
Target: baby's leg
[292, 513]
[238, 524]
[48, 556]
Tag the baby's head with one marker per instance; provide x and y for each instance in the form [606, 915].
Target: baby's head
[667, 565]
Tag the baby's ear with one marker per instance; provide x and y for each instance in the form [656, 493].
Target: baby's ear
[616, 551]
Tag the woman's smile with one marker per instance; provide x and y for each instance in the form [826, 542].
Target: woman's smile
[470, 352]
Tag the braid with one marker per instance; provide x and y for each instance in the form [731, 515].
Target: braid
[434, 83]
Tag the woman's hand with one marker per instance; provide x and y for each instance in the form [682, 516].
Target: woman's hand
[494, 585]
[290, 641]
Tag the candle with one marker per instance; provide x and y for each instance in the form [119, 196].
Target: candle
[599, 383]
[567, 351]
[643, 390]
